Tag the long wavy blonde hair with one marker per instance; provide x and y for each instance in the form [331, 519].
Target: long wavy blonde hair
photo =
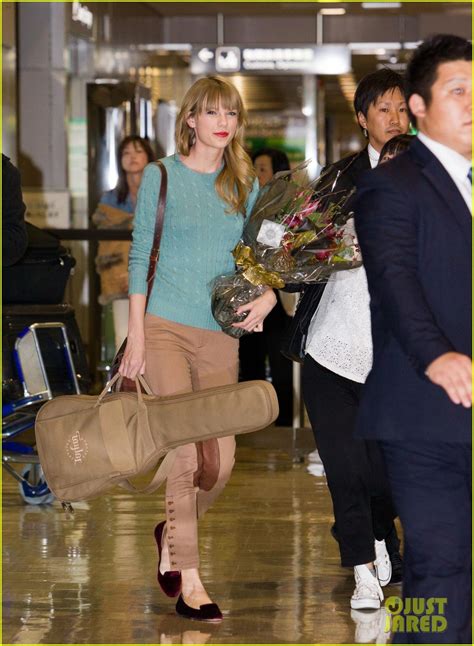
[235, 181]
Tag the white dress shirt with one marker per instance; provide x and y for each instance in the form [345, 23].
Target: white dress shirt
[339, 335]
[455, 165]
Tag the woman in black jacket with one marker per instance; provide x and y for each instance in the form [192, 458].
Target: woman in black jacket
[334, 325]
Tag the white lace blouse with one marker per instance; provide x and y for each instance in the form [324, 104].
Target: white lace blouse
[339, 336]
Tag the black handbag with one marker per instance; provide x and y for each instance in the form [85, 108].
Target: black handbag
[125, 384]
[294, 342]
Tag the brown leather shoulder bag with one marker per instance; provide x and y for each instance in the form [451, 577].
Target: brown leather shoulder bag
[124, 384]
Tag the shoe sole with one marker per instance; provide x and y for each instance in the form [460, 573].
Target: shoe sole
[205, 621]
[365, 604]
[383, 582]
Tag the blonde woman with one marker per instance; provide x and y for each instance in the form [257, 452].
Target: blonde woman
[176, 343]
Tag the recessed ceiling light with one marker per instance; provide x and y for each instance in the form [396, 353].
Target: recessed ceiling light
[332, 11]
[381, 5]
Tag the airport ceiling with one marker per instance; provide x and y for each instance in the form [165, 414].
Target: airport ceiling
[278, 93]
[270, 92]
[300, 8]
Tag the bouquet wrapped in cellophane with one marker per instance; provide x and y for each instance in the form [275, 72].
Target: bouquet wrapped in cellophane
[294, 234]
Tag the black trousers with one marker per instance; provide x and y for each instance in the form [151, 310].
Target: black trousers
[355, 471]
[431, 485]
[253, 350]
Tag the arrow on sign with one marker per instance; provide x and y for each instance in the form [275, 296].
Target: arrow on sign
[205, 55]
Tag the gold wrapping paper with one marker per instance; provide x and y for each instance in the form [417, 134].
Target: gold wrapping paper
[254, 272]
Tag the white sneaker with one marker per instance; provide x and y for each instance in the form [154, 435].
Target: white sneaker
[315, 466]
[314, 457]
[316, 469]
[382, 563]
[367, 593]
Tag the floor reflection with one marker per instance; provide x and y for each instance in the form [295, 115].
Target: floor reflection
[266, 555]
[372, 626]
[175, 630]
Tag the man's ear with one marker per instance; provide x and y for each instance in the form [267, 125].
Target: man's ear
[417, 105]
[362, 120]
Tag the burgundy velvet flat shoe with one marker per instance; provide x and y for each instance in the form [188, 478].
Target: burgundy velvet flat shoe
[207, 612]
[170, 582]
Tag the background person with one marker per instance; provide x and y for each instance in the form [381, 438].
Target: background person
[254, 349]
[176, 342]
[115, 211]
[413, 220]
[338, 359]
[395, 146]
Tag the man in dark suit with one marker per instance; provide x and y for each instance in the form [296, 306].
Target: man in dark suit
[413, 220]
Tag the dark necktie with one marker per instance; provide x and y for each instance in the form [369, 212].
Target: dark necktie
[469, 174]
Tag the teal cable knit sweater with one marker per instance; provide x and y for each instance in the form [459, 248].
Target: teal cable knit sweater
[196, 245]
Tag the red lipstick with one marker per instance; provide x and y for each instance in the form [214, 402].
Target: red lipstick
[223, 133]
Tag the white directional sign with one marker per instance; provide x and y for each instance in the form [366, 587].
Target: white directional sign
[316, 59]
[205, 55]
[228, 59]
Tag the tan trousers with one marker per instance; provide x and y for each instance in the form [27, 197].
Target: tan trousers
[180, 359]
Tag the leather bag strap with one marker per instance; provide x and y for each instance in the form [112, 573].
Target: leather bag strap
[139, 381]
[142, 381]
[160, 216]
[160, 475]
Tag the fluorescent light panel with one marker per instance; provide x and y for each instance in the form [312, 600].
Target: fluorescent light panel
[332, 11]
[381, 5]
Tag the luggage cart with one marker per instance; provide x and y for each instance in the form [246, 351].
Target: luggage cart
[45, 368]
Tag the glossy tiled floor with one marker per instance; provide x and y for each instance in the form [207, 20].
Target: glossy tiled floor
[267, 558]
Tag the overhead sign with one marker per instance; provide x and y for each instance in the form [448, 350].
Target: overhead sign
[228, 59]
[318, 59]
[205, 55]
[82, 14]
[81, 20]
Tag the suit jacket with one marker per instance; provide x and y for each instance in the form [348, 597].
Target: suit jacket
[345, 172]
[414, 229]
[342, 174]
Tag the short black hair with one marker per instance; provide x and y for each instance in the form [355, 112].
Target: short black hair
[422, 70]
[396, 145]
[374, 85]
[278, 158]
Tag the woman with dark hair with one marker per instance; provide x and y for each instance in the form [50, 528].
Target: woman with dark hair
[267, 162]
[394, 147]
[338, 358]
[115, 211]
[255, 348]
[131, 155]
